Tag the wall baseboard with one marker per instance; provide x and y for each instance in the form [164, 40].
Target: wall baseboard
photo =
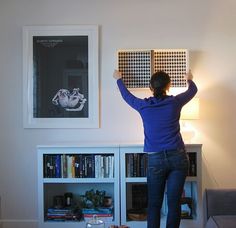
[18, 223]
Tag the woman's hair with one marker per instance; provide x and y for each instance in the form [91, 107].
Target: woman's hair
[158, 83]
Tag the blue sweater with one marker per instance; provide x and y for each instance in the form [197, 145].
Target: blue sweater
[160, 117]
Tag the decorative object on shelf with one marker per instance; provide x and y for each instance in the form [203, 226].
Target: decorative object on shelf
[60, 76]
[95, 222]
[107, 201]
[137, 214]
[94, 199]
[58, 202]
[68, 199]
[186, 207]
[93, 204]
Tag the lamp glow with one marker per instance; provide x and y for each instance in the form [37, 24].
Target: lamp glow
[190, 111]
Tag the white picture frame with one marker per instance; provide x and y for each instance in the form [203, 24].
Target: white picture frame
[57, 60]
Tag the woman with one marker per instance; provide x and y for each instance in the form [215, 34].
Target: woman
[167, 159]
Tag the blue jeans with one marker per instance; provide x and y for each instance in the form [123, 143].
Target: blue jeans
[166, 168]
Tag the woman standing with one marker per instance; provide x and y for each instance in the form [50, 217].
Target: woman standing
[167, 159]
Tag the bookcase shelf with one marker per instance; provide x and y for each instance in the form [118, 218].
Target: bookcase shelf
[134, 189]
[78, 180]
[124, 186]
[82, 172]
[136, 180]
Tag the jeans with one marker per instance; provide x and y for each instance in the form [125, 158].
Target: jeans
[169, 168]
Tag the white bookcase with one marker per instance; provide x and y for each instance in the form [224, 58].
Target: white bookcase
[120, 185]
[130, 183]
[52, 185]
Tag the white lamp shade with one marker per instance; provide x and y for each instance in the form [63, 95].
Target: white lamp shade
[190, 111]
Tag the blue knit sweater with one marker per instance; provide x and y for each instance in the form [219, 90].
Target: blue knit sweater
[160, 117]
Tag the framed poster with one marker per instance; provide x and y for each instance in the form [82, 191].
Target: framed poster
[60, 76]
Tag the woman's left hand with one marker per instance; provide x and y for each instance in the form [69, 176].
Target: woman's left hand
[117, 74]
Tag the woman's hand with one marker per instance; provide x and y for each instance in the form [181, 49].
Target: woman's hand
[117, 75]
[189, 75]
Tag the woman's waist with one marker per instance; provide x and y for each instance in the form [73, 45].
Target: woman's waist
[167, 153]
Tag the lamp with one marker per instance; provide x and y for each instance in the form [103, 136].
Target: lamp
[189, 112]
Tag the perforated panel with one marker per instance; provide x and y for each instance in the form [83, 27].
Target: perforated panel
[173, 62]
[137, 66]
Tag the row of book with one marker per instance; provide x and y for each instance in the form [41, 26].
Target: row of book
[78, 166]
[136, 165]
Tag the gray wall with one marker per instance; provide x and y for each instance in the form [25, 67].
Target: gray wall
[205, 27]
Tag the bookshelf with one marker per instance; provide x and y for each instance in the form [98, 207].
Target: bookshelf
[73, 180]
[111, 171]
[134, 188]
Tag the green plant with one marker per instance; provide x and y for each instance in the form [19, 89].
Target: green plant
[93, 199]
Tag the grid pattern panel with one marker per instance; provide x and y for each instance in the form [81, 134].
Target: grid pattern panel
[175, 63]
[135, 67]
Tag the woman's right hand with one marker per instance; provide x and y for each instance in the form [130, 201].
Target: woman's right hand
[189, 75]
[117, 74]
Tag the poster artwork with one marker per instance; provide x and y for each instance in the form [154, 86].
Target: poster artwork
[60, 76]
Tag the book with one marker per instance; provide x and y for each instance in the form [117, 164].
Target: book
[69, 166]
[139, 196]
[58, 166]
[77, 166]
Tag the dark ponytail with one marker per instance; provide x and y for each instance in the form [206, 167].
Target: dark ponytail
[158, 83]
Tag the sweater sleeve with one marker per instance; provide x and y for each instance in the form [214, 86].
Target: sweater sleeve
[186, 96]
[128, 97]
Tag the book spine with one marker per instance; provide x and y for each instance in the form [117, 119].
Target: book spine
[131, 165]
[46, 165]
[64, 158]
[73, 166]
[58, 166]
[81, 165]
[112, 167]
[93, 166]
[96, 166]
[101, 167]
[77, 167]
[69, 166]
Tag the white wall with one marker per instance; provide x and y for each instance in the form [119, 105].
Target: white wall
[205, 27]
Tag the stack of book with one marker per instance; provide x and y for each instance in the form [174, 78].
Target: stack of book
[103, 213]
[61, 214]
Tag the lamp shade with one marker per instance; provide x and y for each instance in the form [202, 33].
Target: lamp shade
[190, 111]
